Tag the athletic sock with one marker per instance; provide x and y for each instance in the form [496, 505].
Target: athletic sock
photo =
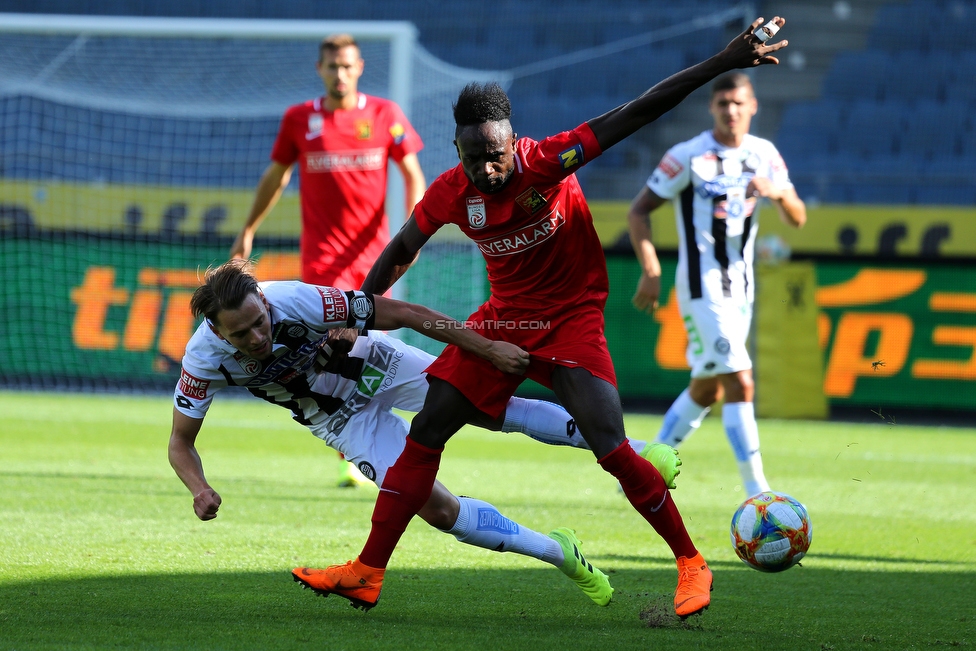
[480, 524]
[543, 421]
[739, 419]
[406, 488]
[644, 487]
[683, 417]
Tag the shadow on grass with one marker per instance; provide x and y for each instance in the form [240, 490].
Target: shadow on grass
[498, 609]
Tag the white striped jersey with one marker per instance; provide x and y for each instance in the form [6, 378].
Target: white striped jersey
[292, 377]
[717, 222]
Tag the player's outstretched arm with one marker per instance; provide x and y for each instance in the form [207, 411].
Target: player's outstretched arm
[392, 314]
[396, 258]
[186, 462]
[272, 183]
[745, 51]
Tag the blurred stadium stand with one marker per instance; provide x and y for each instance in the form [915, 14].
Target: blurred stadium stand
[872, 103]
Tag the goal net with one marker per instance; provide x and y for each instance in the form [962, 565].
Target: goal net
[129, 153]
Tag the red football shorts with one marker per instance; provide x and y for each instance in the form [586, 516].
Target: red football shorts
[572, 338]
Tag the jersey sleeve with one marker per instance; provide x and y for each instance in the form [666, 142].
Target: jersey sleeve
[196, 387]
[564, 153]
[431, 212]
[285, 151]
[330, 307]
[403, 138]
[672, 174]
[778, 173]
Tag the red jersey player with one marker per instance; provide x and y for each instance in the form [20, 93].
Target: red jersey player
[341, 143]
[520, 202]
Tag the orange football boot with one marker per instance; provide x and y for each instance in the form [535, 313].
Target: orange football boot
[358, 583]
[694, 586]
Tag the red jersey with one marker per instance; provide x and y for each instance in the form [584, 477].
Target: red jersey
[342, 159]
[537, 234]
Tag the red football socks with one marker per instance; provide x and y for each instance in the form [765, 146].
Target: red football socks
[406, 488]
[645, 488]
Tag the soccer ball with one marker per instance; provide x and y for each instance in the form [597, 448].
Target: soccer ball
[771, 532]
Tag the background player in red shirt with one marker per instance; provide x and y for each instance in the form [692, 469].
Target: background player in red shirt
[520, 202]
[342, 143]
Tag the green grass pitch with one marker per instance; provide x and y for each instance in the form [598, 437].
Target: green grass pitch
[99, 547]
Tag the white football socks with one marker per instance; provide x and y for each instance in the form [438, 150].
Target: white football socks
[683, 417]
[543, 421]
[739, 419]
[480, 524]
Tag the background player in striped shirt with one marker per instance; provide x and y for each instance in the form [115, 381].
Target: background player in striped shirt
[715, 181]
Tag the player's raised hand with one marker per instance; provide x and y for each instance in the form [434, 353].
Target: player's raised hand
[241, 248]
[748, 50]
[508, 358]
[648, 292]
[206, 503]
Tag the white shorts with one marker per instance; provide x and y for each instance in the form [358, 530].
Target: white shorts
[365, 429]
[717, 334]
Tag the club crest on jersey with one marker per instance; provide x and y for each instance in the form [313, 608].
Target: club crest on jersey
[571, 157]
[364, 129]
[477, 216]
[193, 387]
[315, 124]
[531, 201]
[297, 331]
[248, 364]
[398, 133]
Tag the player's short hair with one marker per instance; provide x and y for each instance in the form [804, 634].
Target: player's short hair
[480, 103]
[731, 81]
[224, 288]
[336, 42]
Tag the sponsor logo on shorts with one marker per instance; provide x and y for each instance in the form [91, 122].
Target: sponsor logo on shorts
[722, 346]
[531, 201]
[524, 238]
[477, 216]
[670, 166]
[384, 360]
[492, 520]
[369, 472]
[345, 161]
[571, 157]
[193, 387]
[370, 381]
[333, 304]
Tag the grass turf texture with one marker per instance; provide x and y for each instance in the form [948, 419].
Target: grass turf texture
[99, 547]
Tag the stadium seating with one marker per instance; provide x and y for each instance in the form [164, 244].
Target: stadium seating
[894, 121]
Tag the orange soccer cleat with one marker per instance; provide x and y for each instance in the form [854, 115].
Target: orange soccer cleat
[358, 583]
[694, 586]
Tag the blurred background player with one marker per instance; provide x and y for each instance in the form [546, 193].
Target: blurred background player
[715, 180]
[271, 339]
[342, 143]
[521, 202]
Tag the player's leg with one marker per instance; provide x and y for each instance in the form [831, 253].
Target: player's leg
[595, 404]
[478, 523]
[739, 420]
[686, 413]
